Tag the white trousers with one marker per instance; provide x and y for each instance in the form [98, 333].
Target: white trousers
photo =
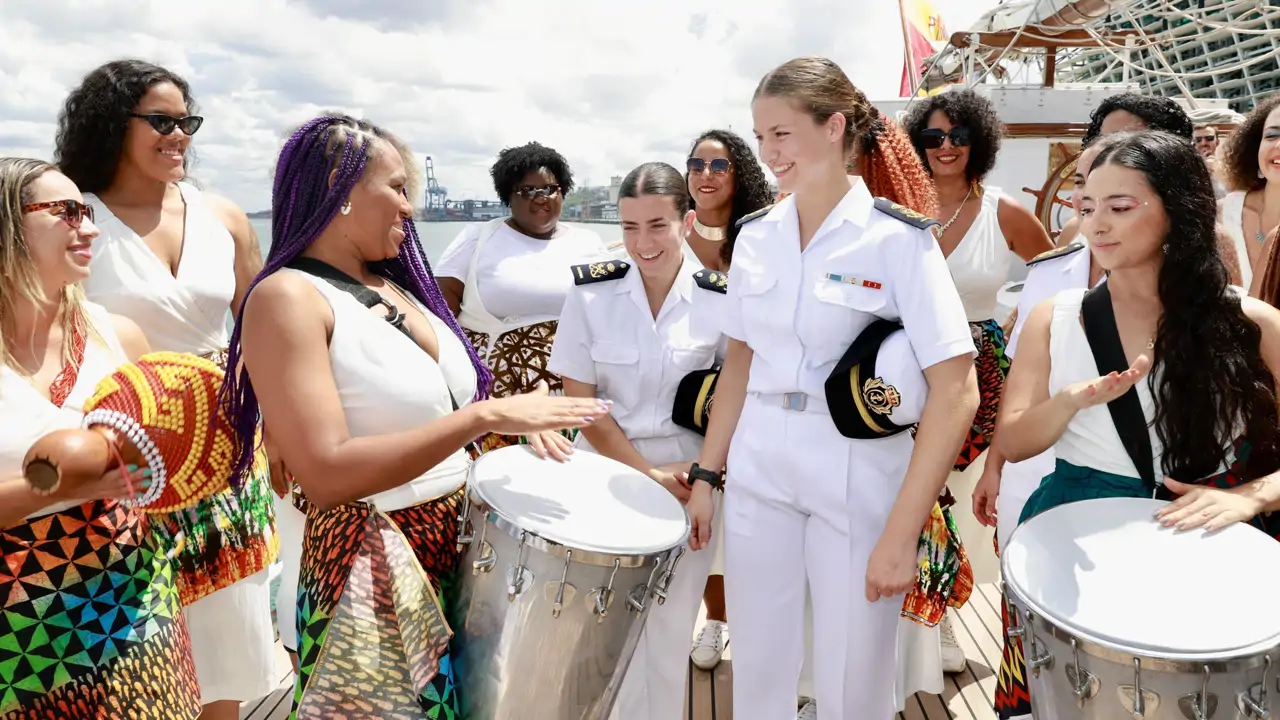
[290, 524]
[1017, 482]
[805, 506]
[232, 641]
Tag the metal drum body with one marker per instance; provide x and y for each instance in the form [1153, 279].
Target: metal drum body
[1105, 600]
[562, 562]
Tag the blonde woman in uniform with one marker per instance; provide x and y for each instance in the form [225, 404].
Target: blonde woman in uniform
[806, 502]
[630, 335]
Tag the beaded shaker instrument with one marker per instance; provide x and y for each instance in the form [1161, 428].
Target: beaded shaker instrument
[160, 412]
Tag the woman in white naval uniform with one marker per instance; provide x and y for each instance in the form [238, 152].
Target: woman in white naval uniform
[804, 501]
[628, 334]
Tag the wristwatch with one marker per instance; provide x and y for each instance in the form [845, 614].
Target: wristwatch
[714, 479]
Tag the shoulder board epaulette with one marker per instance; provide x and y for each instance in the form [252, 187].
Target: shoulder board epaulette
[752, 216]
[712, 280]
[599, 271]
[1056, 253]
[905, 214]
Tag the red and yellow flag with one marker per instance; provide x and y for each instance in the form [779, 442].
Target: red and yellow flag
[921, 27]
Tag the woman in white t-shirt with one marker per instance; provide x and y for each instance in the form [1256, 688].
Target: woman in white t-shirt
[507, 279]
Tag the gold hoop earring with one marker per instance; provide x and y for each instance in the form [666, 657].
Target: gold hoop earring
[346, 208]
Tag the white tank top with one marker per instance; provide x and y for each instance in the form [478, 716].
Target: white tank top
[187, 313]
[980, 264]
[1233, 221]
[1091, 439]
[26, 415]
[388, 384]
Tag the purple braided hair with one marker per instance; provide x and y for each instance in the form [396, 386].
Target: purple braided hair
[303, 203]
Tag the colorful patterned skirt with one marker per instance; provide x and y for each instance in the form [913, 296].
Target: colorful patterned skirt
[519, 361]
[1073, 483]
[90, 626]
[224, 538]
[372, 635]
[992, 365]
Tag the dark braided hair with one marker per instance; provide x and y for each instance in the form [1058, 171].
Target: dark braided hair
[303, 203]
[95, 118]
[1207, 374]
[750, 187]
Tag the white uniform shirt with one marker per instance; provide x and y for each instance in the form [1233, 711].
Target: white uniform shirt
[609, 338]
[1044, 280]
[798, 321]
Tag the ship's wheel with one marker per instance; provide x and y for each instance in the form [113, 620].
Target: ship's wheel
[1053, 200]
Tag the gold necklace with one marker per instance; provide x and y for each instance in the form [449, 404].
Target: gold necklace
[712, 234]
[939, 232]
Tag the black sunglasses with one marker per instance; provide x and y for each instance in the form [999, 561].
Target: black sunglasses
[71, 211]
[164, 124]
[697, 166]
[529, 192]
[933, 138]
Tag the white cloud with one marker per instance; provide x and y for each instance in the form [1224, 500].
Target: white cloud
[609, 83]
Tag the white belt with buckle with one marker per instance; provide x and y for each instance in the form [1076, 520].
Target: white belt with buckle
[794, 401]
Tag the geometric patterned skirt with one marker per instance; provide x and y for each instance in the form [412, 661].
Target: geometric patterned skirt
[372, 635]
[992, 366]
[518, 362]
[90, 623]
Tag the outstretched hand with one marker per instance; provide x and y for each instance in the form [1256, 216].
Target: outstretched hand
[1207, 507]
[1102, 390]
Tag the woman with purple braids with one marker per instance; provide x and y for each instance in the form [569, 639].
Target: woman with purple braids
[372, 395]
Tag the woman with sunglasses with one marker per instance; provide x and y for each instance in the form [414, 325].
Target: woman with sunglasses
[176, 261]
[130, 655]
[725, 183]
[507, 279]
[983, 233]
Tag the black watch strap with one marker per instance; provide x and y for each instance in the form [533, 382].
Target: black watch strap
[714, 479]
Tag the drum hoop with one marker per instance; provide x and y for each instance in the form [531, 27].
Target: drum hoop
[585, 555]
[1156, 661]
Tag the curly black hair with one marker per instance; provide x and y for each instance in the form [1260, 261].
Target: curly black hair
[95, 118]
[514, 163]
[1240, 156]
[751, 188]
[1159, 113]
[1208, 374]
[962, 107]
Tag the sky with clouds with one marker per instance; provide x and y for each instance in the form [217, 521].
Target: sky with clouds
[609, 83]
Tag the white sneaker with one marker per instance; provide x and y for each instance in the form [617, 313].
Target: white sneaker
[808, 712]
[952, 656]
[710, 645]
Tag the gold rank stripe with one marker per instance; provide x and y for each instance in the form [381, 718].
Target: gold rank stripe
[854, 281]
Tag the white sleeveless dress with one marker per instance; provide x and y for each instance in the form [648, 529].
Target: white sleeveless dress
[1233, 220]
[223, 574]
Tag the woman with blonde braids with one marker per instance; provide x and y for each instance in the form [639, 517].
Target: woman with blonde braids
[90, 625]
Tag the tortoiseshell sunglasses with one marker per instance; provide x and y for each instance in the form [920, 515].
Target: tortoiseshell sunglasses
[71, 211]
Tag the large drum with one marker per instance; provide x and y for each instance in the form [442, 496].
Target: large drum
[562, 563]
[1120, 617]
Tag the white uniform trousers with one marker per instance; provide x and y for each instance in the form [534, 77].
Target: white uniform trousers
[1017, 482]
[804, 503]
[290, 525]
[654, 686]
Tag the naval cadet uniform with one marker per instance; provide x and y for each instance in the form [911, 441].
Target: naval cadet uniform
[1048, 274]
[608, 337]
[804, 501]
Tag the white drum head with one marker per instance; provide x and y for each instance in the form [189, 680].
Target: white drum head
[1107, 570]
[588, 503]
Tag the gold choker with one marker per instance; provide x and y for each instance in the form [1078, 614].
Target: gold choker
[713, 234]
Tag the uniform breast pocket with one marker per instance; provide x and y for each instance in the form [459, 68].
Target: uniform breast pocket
[758, 304]
[841, 307]
[689, 359]
[617, 371]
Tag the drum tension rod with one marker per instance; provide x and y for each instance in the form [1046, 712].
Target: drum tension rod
[604, 595]
[1083, 682]
[1202, 705]
[1255, 706]
[516, 586]
[464, 518]
[564, 577]
[1035, 661]
[664, 583]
